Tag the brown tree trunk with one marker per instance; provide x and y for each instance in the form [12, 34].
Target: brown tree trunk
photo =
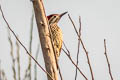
[47, 50]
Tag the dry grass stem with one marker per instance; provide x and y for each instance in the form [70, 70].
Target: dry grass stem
[12, 56]
[3, 75]
[28, 70]
[18, 60]
[35, 66]
[30, 45]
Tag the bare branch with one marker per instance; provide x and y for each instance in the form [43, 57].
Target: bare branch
[68, 54]
[23, 45]
[66, 48]
[110, 73]
[83, 48]
[78, 47]
[73, 25]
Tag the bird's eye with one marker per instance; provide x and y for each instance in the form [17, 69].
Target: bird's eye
[54, 16]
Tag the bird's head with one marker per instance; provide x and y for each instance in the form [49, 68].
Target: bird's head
[54, 18]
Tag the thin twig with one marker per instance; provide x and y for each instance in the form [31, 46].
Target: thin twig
[110, 73]
[23, 45]
[78, 48]
[73, 25]
[68, 54]
[60, 73]
[87, 59]
[66, 48]
[80, 26]
[83, 48]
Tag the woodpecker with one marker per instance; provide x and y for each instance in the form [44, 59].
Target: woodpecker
[56, 32]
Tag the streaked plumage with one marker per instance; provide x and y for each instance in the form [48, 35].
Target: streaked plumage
[57, 38]
[56, 32]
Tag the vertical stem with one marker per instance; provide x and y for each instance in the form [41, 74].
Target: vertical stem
[45, 41]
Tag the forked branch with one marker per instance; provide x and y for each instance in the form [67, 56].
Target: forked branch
[83, 47]
[68, 55]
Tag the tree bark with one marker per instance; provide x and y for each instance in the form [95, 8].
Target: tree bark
[47, 50]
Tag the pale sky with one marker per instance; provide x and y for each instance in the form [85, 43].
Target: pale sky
[100, 19]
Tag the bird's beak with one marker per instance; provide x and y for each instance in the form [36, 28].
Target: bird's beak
[63, 14]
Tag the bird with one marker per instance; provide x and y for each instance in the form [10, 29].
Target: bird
[56, 33]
